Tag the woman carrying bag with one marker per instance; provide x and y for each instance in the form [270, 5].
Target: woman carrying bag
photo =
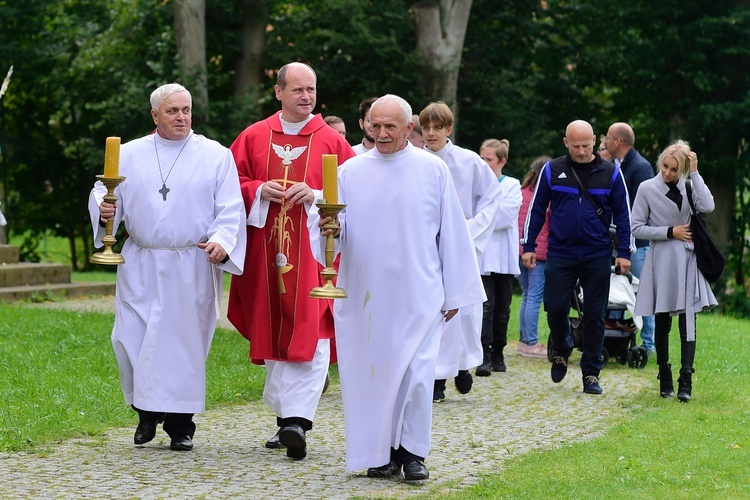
[671, 283]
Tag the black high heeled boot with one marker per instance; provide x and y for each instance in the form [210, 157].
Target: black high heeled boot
[666, 385]
[685, 385]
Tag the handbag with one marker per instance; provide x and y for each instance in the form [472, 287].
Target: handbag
[710, 259]
[611, 229]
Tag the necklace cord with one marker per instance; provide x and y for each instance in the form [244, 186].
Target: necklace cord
[158, 163]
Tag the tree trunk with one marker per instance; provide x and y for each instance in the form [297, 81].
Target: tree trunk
[190, 38]
[249, 70]
[73, 253]
[440, 31]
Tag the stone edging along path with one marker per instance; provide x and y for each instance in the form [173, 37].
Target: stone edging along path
[504, 415]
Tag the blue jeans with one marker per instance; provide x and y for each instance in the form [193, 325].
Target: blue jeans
[647, 332]
[560, 278]
[532, 288]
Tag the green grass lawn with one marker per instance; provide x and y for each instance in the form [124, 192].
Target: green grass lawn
[663, 449]
[59, 379]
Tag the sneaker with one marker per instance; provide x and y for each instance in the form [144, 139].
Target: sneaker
[559, 369]
[521, 348]
[438, 392]
[535, 351]
[591, 385]
[463, 381]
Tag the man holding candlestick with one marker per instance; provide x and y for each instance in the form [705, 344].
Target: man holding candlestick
[279, 164]
[403, 243]
[180, 239]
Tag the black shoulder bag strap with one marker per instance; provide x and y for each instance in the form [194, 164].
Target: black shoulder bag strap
[689, 193]
[599, 210]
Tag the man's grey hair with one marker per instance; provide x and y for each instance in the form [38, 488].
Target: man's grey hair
[158, 95]
[405, 107]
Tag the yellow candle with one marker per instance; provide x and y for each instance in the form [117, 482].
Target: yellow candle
[330, 178]
[112, 157]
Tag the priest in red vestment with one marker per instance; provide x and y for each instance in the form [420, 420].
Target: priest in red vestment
[279, 161]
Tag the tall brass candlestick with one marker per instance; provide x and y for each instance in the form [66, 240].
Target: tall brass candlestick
[108, 257]
[328, 291]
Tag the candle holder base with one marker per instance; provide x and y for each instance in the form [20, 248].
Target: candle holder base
[108, 257]
[328, 291]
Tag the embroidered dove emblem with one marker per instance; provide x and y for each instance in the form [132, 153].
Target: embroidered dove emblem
[287, 153]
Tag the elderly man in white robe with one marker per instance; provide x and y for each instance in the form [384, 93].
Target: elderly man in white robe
[183, 211]
[479, 194]
[403, 243]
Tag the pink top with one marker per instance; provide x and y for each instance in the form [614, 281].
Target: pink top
[541, 241]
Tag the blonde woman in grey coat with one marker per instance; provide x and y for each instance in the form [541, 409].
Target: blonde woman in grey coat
[671, 284]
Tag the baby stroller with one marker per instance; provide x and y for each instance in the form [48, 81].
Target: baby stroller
[619, 334]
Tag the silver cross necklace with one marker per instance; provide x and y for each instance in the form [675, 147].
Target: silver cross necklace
[164, 189]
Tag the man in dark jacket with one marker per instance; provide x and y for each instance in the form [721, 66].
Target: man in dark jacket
[579, 247]
[635, 169]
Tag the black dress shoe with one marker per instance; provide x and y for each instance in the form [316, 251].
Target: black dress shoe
[483, 370]
[146, 430]
[293, 437]
[415, 470]
[385, 471]
[463, 381]
[181, 443]
[274, 442]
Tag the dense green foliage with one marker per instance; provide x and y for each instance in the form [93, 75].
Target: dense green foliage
[84, 70]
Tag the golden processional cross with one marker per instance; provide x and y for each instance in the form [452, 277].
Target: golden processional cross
[283, 241]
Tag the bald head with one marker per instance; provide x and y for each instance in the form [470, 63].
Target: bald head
[296, 68]
[620, 139]
[580, 140]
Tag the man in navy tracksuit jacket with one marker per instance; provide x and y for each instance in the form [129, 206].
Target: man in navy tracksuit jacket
[578, 247]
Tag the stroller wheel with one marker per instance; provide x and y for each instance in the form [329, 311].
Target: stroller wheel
[605, 355]
[637, 357]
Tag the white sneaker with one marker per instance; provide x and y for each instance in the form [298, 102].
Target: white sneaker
[521, 348]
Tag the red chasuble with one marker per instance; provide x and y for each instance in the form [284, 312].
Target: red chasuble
[270, 304]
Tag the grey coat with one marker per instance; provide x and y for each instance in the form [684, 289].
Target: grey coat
[670, 279]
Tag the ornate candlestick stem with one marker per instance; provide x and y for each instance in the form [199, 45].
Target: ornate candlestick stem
[108, 257]
[328, 291]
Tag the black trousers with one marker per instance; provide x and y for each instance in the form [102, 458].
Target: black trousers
[496, 313]
[175, 424]
[560, 277]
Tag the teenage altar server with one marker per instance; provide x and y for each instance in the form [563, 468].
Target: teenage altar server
[403, 244]
[479, 195]
[181, 205]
